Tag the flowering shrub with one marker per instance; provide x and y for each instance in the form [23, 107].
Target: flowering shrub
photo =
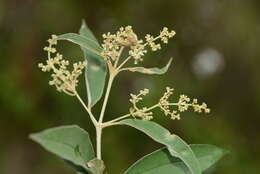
[73, 144]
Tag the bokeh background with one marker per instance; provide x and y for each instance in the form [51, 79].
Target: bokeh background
[216, 59]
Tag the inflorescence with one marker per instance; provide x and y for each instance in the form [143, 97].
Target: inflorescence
[183, 104]
[126, 37]
[140, 112]
[113, 44]
[63, 79]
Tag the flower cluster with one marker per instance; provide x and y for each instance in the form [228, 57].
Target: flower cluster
[126, 37]
[138, 51]
[112, 43]
[164, 104]
[183, 104]
[165, 34]
[199, 108]
[140, 112]
[63, 79]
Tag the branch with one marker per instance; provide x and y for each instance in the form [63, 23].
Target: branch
[94, 121]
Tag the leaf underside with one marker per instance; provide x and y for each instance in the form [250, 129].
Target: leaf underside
[161, 161]
[70, 143]
[151, 71]
[175, 145]
[95, 73]
[73, 145]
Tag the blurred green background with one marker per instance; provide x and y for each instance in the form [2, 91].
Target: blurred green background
[216, 59]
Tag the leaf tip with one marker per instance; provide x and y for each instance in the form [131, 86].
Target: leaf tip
[83, 23]
[33, 137]
[169, 62]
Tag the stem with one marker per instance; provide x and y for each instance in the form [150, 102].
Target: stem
[110, 81]
[101, 117]
[124, 62]
[174, 104]
[94, 121]
[129, 57]
[111, 124]
[125, 69]
[98, 141]
[115, 121]
[113, 70]
[152, 107]
[117, 60]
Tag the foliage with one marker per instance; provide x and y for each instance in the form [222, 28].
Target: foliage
[72, 144]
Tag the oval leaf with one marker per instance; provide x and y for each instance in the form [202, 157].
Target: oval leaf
[71, 143]
[162, 162]
[155, 70]
[176, 146]
[95, 73]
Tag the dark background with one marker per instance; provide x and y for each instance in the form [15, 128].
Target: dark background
[216, 59]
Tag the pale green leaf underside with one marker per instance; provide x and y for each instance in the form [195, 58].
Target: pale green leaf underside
[154, 70]
[87, 43]
[95, 73]
[162, 162]
[176, 146]
[70, 143]
[86, 32]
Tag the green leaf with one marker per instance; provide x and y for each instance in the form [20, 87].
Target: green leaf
[158, 71]
[95, 73]
[176, 146]
[87, 43]
[79, 169]
[71, 143]
[162, 162]
[87, 32]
